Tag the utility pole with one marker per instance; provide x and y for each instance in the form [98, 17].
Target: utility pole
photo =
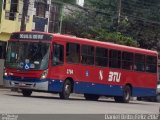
[61, 18]
[24, 14]
[119, 13]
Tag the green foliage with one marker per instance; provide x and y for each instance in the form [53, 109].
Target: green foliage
[83, 26]
[142, 22]
[115, 37]
[139, 23]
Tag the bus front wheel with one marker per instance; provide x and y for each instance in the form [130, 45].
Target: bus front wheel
[26, 93]
[125, 98]
[66, 91]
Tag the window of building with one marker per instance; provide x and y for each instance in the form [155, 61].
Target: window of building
[127, 60]
[54, 19]
[41, 8]
[73, 53]
[58, 54]
[151, 64]
[11, 15]
[101, 57]
[87, 55]
[4, 4]
[114, 59]
[139, 62]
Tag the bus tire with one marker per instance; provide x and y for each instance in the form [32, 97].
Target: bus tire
[91, 97]
[139, 98]
[66, 91]
[26, 93]
[158, 98]
[126, 95]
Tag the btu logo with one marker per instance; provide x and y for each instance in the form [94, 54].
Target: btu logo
[114, 77]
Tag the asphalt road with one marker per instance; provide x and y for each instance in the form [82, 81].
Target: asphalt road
[46, 106]
[46, 103]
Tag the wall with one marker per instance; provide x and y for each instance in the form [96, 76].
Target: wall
[8, 26]
[1, 71]
[0, 9]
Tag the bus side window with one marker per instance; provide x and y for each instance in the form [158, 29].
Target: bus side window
[139, 62]
[151, 64]
[127, 60]
[87, 55]
[72, 53]
[101, 57]
[58, 54]
[114, 59]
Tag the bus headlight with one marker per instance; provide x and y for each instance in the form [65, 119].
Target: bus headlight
[5, 73]
[44, 74]
[158, 86]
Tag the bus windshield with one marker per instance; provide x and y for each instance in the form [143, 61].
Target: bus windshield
[28, 55]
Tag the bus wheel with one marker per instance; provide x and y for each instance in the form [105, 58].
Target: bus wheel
[126, 95]
[139, 98]
[91, 97]
[26, 93]
[158, 98]
[66, 91]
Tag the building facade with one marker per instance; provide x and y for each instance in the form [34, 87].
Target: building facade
[29, 15]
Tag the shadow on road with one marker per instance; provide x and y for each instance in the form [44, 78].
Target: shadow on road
[75, 98]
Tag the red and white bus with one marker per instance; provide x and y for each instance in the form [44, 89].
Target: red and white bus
[63, 64]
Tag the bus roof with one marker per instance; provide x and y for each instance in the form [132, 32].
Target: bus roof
[97, 43]
[106, 44]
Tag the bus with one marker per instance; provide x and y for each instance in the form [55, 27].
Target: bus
[63, 64]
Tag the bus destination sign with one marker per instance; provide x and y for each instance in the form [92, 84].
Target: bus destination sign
[31, 36]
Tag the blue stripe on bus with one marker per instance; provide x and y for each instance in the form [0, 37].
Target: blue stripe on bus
[143, 91]
[111, 90]
[99, 89]
[55, 85]
[90, 88]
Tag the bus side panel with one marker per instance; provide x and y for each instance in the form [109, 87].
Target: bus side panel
[98, 89]
[143, 92]
[55, 85]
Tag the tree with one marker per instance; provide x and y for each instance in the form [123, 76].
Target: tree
[142, 22]
[97, 20]
[139, 21]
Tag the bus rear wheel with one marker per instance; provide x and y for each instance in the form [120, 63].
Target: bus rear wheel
[126, 95]
[91, 97]
[66, 91]
[26, 93]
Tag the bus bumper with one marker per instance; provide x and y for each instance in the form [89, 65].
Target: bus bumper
[43, 86]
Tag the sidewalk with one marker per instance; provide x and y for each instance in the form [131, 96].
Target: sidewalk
[3, 88]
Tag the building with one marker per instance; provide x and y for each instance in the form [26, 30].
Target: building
[28, 15]
[10, 21]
